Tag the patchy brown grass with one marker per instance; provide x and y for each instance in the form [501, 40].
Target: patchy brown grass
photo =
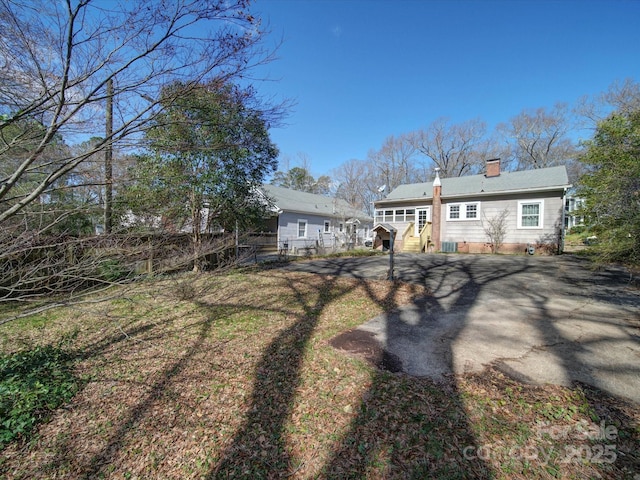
[232, 376]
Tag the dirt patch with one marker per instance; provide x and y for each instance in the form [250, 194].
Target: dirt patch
[364, 344]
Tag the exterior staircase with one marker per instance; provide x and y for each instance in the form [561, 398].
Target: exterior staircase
[411, 245]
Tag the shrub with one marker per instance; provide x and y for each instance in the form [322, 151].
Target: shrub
[111, 270]
[577, 229]
[32, 384]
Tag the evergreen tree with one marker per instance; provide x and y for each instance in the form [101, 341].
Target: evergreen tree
[611, 187]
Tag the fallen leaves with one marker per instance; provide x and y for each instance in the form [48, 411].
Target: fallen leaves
[242, 382]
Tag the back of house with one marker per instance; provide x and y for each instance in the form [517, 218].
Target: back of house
[509, 212]
[310, 223]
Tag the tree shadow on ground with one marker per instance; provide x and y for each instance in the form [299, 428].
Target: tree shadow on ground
[404, 427]
[418, 427]
[141, 409]
[258, 449]
[606, 381]
[124, 331]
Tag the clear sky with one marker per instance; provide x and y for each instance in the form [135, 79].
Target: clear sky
[361, 70]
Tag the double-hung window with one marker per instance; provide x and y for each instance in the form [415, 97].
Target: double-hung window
[302, 228]
[327, 226]
[463, 211]
[471, 211]
[530, 213]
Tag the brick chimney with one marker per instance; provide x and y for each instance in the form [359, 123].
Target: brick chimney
[437, 210]
[493, 168]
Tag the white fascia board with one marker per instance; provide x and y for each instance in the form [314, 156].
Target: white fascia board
[505, 192]
[401, 201]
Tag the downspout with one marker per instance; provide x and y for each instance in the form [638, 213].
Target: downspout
[437, 211]
[391, 248]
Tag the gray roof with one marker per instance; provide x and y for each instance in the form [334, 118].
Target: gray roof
[385, 226]
[289, 200]
[542, 179]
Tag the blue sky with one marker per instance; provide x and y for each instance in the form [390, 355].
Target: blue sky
[361, 70]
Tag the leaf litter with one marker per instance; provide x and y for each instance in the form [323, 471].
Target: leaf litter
[241, 381]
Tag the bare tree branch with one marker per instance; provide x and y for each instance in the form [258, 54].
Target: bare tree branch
[539, 138]
[458, 149]
[60, 55]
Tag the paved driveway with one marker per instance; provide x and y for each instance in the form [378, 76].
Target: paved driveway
[538, 319]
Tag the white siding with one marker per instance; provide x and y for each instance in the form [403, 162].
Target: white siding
[473, 230]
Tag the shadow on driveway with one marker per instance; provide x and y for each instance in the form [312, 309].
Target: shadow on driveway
[537, 319]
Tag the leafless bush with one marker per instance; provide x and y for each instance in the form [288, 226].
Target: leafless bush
[495, 228]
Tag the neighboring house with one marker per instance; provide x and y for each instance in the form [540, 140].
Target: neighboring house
[573, 207]
[304, 220]
[454, 214]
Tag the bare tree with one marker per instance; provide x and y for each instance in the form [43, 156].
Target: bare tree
[353, 178]
[456, 149]
[539, 138]
[58, 56]
[56, 59]
[361, 181]
[621, 96]
[393, 164]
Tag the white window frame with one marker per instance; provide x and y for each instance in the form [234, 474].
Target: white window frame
[306, 226]
[411, 217]
[416, 213]
[395, 215]
[522, 203]
[463, 211]
[327, 226]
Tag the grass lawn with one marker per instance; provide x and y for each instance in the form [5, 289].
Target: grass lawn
[232, 376]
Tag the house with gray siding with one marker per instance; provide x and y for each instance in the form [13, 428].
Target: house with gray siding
[305, 221]
[455, 214]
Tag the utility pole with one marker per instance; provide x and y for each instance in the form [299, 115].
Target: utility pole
[108, 160]
[390, 275]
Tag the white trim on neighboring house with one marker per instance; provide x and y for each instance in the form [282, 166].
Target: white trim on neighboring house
[573, 205]
[302, 221]
[531, 214]
[327, 226]
[461, 211]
